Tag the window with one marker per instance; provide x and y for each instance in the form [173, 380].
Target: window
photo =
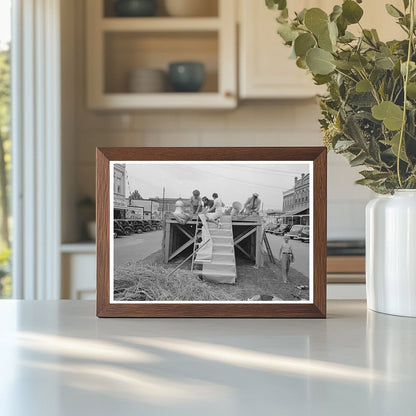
[5, 145]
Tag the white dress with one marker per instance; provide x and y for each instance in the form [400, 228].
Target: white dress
[219, 210]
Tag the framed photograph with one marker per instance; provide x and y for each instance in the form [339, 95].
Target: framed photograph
[211, 232]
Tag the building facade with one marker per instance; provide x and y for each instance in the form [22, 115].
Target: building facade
[168, 204]
[149, 209]
[296, 201]
[119, 184]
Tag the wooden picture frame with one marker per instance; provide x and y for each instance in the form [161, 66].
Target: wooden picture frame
[313, 307]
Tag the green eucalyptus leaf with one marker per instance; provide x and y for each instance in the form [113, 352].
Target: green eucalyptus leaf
[358, 61]
[374, 174]
[368, 36]
[388, 112]
[365, 182]
[343, 145]
[393, 11]
[336, 12]
[325, 42]
[303, 43]
[301, 63]
[321, 79]
[333, 32]
[344, 65]
[276, 4]
[319, 61]
[405, 21]
[382, 89]
[384, 62]
[354, 132]
[301, 15]
[361, 100]
[411, 90]
[375, 35]
[394, 146]
[363, 86]
[281, 19]
[351, 11]
[316, 20]
[412, 67]
[358, 160]
[374, 150]
[342, 25]
[347, 37]
[287, 33]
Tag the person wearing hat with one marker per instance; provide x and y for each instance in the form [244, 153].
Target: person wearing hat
[252, 205]
[286, 257]
[217, 210]
[196, 202]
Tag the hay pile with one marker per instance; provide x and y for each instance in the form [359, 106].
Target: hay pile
[149, 282]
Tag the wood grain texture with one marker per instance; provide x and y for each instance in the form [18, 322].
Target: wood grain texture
[210, 310]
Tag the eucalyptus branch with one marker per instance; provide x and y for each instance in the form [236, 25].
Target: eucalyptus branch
[373, 88]
[346, 75]
[406, 80]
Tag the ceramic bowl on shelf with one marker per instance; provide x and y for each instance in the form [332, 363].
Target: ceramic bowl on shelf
[191, 8]
[147, 81]
[135, 8]
[186, 76]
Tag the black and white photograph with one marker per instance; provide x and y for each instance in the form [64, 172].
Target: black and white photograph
[211, 231]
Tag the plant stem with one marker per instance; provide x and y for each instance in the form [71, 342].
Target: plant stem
[405, 81]
[346, 75]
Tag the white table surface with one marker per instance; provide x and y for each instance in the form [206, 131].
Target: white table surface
[57, 358]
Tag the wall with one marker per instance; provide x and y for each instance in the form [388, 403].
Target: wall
[254, 123]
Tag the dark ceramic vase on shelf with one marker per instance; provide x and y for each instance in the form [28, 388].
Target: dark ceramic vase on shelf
[135, 8]
[186, 76]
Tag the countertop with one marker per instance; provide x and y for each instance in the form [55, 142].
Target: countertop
[57, 358]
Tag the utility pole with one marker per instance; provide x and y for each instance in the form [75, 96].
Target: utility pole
[163, 203]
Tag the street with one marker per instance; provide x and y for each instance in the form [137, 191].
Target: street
[139, 246]
[136, 246]
[300, 252]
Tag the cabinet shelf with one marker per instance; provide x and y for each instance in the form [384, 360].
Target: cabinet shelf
[198, 100]
[160, 24]
[116, 46]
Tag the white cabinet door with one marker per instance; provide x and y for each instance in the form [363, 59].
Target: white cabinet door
[78, 276]
[265, 68]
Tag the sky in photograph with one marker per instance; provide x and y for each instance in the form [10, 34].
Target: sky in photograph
[232, 182]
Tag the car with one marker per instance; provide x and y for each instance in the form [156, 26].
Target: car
[269, 228]
[122, 228]
[304, 235]
[295, 232]
[282, 229]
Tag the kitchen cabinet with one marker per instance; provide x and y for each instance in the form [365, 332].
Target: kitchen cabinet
[78, 263]
[118, 45]
[265, 70]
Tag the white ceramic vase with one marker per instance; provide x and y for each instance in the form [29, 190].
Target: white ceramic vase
[391, 253]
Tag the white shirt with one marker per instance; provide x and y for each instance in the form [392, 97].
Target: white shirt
[218, 205]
